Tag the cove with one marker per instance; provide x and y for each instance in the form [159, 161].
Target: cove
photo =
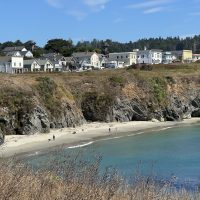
[174, 152]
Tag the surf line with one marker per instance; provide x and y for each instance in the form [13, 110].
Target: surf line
[80, 145]
[104, 139]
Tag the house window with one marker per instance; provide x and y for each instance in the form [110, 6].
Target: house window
[20, 64]
[15, 64]
[117, 57]
[121, 56]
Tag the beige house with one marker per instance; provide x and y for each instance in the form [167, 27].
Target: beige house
[128, 58]
[184, 56]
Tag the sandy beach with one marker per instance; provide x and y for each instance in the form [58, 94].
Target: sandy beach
[70, 137]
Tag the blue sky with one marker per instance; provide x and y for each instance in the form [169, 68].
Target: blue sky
[119, 20]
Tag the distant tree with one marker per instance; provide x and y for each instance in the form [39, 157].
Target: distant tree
[37, 52]
[30, 45]
[18, 43]
[59, 46]
[7, 44]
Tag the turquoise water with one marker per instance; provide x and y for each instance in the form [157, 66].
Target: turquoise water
[171, 152]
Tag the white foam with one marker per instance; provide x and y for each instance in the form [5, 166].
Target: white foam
[166, 128]
[81, 145]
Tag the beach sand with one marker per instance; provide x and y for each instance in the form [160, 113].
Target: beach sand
[20, 144]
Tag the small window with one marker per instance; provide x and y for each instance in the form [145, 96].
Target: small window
[15, 64]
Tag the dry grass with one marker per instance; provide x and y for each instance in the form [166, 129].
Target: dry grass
[75, 179]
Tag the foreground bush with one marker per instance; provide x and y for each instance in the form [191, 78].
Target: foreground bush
[75, 179]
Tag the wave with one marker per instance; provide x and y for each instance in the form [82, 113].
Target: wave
[33, 154]
[162, 129]
[118, 137]
[112, 138]
[81, 145]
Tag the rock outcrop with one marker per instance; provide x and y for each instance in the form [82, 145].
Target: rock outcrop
[177, 106]
[45, 104]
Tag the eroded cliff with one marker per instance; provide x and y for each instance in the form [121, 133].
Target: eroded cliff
[35, 103]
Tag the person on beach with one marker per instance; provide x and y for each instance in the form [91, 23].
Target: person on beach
[109, 130]
[54, 137]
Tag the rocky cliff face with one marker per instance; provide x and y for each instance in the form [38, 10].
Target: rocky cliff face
[47, 104]
[40, 120]
[179, 101]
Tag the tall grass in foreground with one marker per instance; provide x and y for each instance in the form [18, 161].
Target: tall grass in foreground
[76, 179]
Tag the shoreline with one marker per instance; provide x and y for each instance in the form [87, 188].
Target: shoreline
[85, 134]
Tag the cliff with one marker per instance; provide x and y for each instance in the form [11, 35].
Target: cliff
[35, 103]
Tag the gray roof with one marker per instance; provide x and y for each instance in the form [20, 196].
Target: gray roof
[5, 58]
[53, 56]
[23, 53]
[47, 55]
[82, 54]
[43, 62]
[12, 53]
[29, 62]
[8, 49]
[69, 59]
[158, 50]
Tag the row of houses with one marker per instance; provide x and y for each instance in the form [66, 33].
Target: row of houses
[19, 60]
[87, 60]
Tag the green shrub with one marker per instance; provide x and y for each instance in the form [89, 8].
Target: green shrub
[117, 80]
[47, 89]
[159, 87]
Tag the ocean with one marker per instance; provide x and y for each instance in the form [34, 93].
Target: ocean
[172, 152]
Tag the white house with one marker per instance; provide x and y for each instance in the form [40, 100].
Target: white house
[27, 54]
[32, 65]
[86, 60]
[11, 64]
[69, 64]
[57, 66]
[195, 57]
[167, 57]
[128, 58]
[153, 56]
[46, 65]
[114, 64]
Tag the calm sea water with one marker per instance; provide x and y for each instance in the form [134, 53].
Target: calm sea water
[174, 152]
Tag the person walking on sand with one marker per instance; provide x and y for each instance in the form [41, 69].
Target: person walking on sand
[109, 130]
[54, 137]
